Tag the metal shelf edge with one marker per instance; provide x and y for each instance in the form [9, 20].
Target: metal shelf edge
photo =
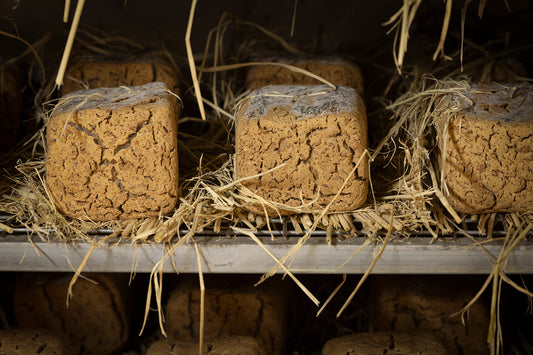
[240, 254]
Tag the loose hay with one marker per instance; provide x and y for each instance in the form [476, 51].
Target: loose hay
[414, 113]
[412, 200]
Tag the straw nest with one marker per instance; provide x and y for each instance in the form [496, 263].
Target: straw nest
[406, 193]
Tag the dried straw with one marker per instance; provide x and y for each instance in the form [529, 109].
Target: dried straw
[202, 298]
[66, 11]
[444, 31]
[211, 198]
[190, 57]
[70, 41]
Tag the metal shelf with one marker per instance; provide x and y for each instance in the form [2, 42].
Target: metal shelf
[240, 254]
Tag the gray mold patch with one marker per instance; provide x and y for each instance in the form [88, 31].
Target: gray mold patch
[303, 100]
[113, 98]
[305, 60]
[499, 102]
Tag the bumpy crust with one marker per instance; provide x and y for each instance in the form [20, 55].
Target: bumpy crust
[97, 319]
[384, 343]
[30, 341]
[100, 72]
[487, 147]
[318, 133]
[112, 153]
[424, 303]
[336, 70]
[11, 85]
[230, 309]
[231, 345]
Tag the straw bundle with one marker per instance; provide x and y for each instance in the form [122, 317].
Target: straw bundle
[409, 200]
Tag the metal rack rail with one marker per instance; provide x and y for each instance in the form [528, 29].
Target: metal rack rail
[231, 252]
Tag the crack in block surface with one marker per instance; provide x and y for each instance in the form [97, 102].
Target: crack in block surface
[317, 132]
[488, 148]
[114, 159]
[384, 343]
[336, 70]
[99, 72]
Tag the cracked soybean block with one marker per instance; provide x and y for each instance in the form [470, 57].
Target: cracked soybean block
[384, 343]
[425, 304]
[11, 102]
[336, 70]
[112, 153]
[98, 72]
[314, 136]
[30, 341]
[97, 320]
[231, 309]
[231, 345]
[487, 148]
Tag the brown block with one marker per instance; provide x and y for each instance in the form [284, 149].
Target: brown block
[11, 87]
[96, 321]
[231, 309]
[384, 343]
[425, 303]
[336, 70]
[231, 345]
[100, 72]
[486, 148]
[500, 71]
[112, 153]
[318, 133]
[30, 341]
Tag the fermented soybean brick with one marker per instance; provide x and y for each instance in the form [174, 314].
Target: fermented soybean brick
[234, 345]
[384, 343]
[98, 72]
[112, 153]
[338, 71]
[488, 148]
[232, 308]
[96, 321]
[11, 86]
[317, 132]
[418, 303]
[30, 342]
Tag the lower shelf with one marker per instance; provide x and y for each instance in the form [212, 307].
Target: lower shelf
[240, 254]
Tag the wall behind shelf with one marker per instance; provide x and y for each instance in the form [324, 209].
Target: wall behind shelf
[353, 27]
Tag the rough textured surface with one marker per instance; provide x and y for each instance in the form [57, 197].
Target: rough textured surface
[230, 310]
[317, 132]
[29, 342]
[425, 303]
[11, 86]
[97, 320]
[232, 345]
[112, 153]
[384, 343]
[488, 149]
[499, 71]
[98, 72]
[336, 70]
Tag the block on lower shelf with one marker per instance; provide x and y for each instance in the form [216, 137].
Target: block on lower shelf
[499, 71]
[486, 148]
[384, 343]
[97, 320]
[99, 72]
[304, 143]
[112, 153]
[231, 345]
[231, 309]
[12, 82]
[336, 70]
[30, 342]
[424, 303]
